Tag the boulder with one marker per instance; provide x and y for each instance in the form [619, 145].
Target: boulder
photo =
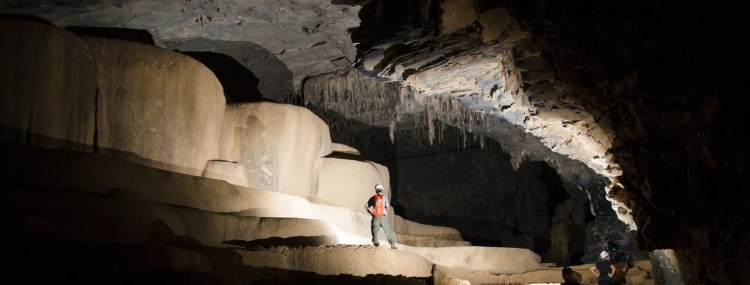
[156, 107]
[47, 86]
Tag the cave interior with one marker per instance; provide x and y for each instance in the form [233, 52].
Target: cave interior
[525, 124]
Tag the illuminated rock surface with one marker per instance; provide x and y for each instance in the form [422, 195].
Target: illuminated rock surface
[279, 145]
[156, 107]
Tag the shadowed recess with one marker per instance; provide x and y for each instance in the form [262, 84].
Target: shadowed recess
[240, 84]
[348, 2]
[25, 18]
[274, 78]
[298, 241]
[133, 35]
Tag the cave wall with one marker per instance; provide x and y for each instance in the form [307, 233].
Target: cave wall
[473, 186]
[664, 72]
[475, 189]
[656, 79]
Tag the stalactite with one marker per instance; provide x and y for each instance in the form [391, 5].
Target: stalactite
[356, 97]
[391, 131]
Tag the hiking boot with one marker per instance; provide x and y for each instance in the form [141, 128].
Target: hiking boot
[393, 246]
[376, 244]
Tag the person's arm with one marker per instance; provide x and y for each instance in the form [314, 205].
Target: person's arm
[593, 270]
[387, 204]
[367, 207]
[612, 269]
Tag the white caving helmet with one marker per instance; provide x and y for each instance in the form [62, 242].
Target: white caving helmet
[603, 255]
[378, 187]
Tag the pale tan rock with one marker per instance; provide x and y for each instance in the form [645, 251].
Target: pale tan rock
[230, 172]
[421, 241]
[546, 275]
[107, 217]
[47, 86]
[347, 183]
[279, 145]
[636, 275]
[156, 107]
[404, 226]
[497, 260]
[337, 147]
[440, 279]
[128, 180]
[341, 259]
[100, 173]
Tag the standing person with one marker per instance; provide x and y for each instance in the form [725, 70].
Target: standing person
[603, 269]
[379, 204]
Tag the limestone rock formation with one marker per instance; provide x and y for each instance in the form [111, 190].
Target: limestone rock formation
[231, 172]
[156, 107]
[349, 183]
[342, 260]
[559, 241]
[48, 93]
[342, 148]
[279, 145]
[208, 210]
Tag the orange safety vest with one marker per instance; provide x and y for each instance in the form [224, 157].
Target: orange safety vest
[379, 208]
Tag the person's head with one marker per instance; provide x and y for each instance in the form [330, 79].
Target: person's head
[606, 238]
[378, 189]
[604, 255]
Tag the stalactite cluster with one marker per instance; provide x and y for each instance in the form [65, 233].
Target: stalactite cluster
[354, 96]
[446, 110]
[386, 104]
